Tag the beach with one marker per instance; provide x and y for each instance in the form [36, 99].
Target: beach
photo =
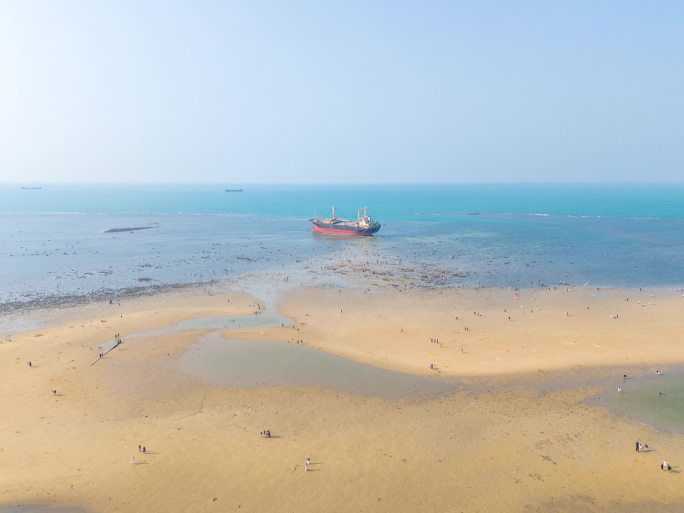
[517, 430]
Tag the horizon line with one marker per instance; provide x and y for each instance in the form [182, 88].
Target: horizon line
[436, 183]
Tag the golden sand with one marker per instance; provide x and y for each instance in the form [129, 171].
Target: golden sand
[492, 331]
[508, 449]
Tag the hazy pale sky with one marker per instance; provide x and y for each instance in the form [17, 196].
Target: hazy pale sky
[368, 91]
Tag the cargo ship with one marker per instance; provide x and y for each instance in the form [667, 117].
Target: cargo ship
[364, 225]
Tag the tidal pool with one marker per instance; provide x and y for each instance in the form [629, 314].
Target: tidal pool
[655, 399]
[267, 363]
[264, 320]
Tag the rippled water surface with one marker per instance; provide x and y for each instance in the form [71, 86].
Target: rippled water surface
[58, 241]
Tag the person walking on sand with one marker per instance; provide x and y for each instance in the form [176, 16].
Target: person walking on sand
[133, 462]
[664, 465]
[638, 446]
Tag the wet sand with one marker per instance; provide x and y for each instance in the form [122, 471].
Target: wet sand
[528, 442]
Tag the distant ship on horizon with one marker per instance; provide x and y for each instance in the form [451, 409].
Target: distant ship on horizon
[31, 187]
[364, 225]
[233, 190]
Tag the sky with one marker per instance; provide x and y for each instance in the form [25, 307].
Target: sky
[341, 92]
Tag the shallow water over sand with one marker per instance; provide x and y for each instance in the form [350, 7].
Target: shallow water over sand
[264, 363]
[268, 319]
[657, 400]
[39, 508]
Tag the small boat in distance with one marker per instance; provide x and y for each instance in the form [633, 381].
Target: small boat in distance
[233, 190]
[364, 225]
[30, 188]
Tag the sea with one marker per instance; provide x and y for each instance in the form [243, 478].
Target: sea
[71, 241]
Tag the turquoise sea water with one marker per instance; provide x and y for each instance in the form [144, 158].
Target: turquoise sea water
[54, 241]
[422, 203]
